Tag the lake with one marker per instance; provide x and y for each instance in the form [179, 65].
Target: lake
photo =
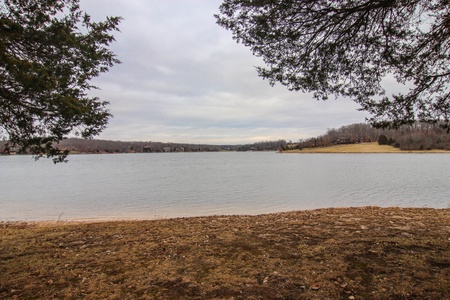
[163, 185]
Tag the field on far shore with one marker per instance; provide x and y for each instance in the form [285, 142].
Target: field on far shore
[361, 148]
[335, 253]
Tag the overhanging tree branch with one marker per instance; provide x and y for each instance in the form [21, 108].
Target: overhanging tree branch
[46, 63]
[346, 48]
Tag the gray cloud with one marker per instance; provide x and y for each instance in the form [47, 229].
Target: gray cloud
[183, 79]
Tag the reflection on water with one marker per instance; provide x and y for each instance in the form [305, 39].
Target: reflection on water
[146, 186]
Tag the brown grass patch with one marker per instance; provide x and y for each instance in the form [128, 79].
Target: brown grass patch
[343, 253]
[362, 148]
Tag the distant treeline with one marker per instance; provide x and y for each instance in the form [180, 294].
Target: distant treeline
[263, 146]
[420, 136]
[77, 145]
[105, 146]
[417, 137]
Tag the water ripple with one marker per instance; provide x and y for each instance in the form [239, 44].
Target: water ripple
[193, 184]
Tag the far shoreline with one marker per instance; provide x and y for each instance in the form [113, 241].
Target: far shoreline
[363, 148]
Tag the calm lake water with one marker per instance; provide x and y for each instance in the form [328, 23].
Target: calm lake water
[147, 186]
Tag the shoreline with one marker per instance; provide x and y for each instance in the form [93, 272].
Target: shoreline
[368, 148]
[358, 148]
[53, 223]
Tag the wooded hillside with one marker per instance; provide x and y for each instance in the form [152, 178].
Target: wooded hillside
[420, 136]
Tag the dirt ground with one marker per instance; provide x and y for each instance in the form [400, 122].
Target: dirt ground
[362, 148]
[342, 253]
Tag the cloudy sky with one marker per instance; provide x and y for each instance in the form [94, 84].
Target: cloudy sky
[184, 79]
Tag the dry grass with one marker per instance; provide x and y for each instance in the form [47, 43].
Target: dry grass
[362, 148]
[347, 253]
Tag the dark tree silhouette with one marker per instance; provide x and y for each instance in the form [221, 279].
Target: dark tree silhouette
[49, 51]
[383, 140]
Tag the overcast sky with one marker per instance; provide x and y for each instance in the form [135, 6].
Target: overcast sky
[184, 79]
